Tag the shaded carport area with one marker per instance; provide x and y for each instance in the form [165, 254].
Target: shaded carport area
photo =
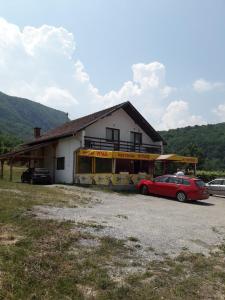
[177, 160]
[29, 155]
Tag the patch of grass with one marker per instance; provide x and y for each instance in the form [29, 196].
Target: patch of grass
[214, 229]
[44, 259]
[122, 216]
[91, 224]
[151, 249]
[133, 239]
[222, 248]
[95, 226]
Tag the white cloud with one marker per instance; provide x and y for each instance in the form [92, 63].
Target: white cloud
[220, 112]
[178, 115]
[59, 97]
[40, 64]
[202, 85]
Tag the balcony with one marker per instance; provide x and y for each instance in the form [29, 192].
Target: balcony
[125, 146]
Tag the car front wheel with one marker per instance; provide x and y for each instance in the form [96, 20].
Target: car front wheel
[144, 190]
[181, 196]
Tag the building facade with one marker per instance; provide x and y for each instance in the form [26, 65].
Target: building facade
[115, 146]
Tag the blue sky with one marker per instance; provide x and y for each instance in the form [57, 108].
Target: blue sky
[176, 49]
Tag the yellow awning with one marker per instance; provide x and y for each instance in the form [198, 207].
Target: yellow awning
[134, 155]
[117, 154]
[178, 158]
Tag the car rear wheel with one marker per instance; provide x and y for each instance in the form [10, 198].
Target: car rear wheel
[144, 190]
[181, 196]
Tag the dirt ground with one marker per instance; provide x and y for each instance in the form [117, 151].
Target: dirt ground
[163, 226]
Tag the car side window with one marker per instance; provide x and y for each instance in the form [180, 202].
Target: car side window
[175, 180]
[216, 182]
[157, 180]
[172, 180]
[212, 182]
[161, 179]
[186, 182]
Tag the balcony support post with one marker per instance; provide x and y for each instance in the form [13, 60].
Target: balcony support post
[195, 169]
[11, 170]
[2, 169]
[114, 165]
[165, 163]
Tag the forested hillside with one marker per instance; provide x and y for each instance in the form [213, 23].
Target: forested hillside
[207, 142]
[18, 116]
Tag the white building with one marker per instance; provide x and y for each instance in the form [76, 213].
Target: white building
[115, 146]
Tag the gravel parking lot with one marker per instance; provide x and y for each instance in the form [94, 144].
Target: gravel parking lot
[157, 226]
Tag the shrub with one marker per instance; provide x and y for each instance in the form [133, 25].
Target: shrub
[207, 176]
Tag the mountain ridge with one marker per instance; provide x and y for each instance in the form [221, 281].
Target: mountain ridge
[18, 116]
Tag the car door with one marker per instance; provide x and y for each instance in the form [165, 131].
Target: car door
[160, 185]
[215, 186]
[220, 188]
[173, 186]
[223, 188]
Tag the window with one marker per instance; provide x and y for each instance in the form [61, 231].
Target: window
[141, 166]
[200, 183]
[161, 179]
[136, 137]
[60, 163]
[85, 164]
[124, 165]
[112, 134]
[103, 165]
[186, 182]
[175, 180]
[216, 182]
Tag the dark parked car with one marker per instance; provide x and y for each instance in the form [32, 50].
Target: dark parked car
[36, 175]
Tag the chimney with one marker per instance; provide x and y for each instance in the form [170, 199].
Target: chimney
[37, 132]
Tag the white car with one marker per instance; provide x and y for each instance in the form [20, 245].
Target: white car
[216, 187]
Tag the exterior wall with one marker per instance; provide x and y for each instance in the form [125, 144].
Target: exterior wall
[65, 148]
[119, 120]
[109, 179]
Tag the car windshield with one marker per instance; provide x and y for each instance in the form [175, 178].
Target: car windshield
[200, 183]
[41, 171]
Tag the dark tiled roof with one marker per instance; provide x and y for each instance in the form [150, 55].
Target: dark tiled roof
[77, 125]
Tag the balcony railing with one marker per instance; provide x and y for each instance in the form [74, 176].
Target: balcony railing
[104, 144]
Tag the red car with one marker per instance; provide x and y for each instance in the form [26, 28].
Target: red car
[182, 188]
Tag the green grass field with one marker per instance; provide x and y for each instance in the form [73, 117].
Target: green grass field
[45, 259]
